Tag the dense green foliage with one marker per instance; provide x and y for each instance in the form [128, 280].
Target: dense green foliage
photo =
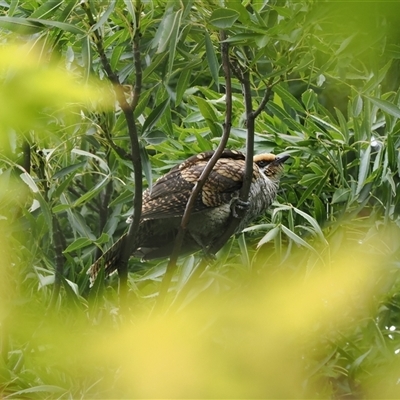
[304, 304]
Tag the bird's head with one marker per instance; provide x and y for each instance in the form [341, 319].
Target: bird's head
[271, 165]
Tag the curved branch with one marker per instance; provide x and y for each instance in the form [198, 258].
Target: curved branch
[203, 177]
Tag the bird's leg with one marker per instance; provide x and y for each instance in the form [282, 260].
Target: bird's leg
[239, 207]
[207, 255]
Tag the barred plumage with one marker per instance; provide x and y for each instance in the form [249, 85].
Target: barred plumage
[164, 205]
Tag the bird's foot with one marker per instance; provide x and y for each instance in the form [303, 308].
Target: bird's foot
[238, 207]
[208, 256]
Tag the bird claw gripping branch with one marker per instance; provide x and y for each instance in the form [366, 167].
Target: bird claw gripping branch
[164, 205]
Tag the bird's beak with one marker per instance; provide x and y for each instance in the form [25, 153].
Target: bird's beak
[281, 159]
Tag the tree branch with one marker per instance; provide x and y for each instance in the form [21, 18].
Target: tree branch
[244, 192]
[128, 110]
[197, 188]
[200, 183]
[59, 261]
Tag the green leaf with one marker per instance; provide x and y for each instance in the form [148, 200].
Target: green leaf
[223, 18]
[269, 236]
[67, 170]
[312, 222]
[154, 116]
[340, 195]
[363, 169]
[78, 244]
[37, 389]
[391, 152]
[46, 8]
[209, 114]
[78, 223]
[173, 41]
[20, 25]
[102, 164]
[30, 182]
[212, 59]
[146, 166]
[155, 136]
[182, 85]
[343, 125]
[244, 15]
[357, 105]
[86, 57]
[296, 238]
[308, 98]
[288, 98]
[385, 106]
[92, 192]
[62, 25]
[103, 19]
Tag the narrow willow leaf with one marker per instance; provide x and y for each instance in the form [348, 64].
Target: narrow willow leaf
[182, 85]
[60, 208]
[78, 223]
[284, 116]
[155, 136]
[146, 166]
[61, 25]
[212, 59]
[164, 31]
[312, 222]
[319, 209]
[296, 238]
[340, 195]
[343, 125]
[154, 116]
[391, 152]
[174, 41]
[288, 98]
[30, 182]
[357, 105]
[385, 106]
[269, 236]
[244, 15]
[48, 7]
[36, 389]
[325, 123]
[377, 78]
[223, 17]
[206, 110]
[103, 165]
[67, 170]
[79, 243]
[92, 193]
[20, 25]
[308, 98]
[86, 57]
[103, 19]
[363, 169]
[209, 114]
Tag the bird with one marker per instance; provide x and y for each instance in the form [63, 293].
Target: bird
[164, 205]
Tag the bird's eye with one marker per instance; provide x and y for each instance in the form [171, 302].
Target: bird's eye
[262, 163]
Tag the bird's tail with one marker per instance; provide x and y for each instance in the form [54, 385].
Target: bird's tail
[109, 260]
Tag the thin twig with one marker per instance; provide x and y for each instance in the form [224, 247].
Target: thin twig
[59, 261]
[266, 97]
[234, 220]
[199, 184]
[202, 180]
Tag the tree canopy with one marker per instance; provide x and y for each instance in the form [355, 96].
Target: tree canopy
[99, 98]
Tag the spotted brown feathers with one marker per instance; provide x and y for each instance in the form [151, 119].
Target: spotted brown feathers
[164, 205]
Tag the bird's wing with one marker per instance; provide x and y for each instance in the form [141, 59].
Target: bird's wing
[171, 192]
